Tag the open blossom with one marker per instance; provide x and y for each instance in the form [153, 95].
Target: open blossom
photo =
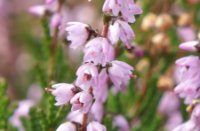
[99, 51]
[120, 122]
[78, 34]
[166, 105]
[63, 93]
[86, 76]
[189, 83]
[68, 126]
[190, 46]
[121, 30]
[95, 126]
[82, 101]
[120, 73]
[127, 8]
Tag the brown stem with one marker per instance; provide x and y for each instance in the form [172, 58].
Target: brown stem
[106, 20]
[84, 122]
[53, 45]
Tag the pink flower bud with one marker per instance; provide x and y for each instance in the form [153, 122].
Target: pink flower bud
[55, 20]
[63, 93]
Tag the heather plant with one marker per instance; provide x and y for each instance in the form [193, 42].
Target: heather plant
[111, 66]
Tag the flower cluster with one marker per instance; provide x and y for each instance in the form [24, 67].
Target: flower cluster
[188, 70]
[88, 93]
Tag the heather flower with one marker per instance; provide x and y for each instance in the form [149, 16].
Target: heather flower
[186, 33]
[63, 93]
[120, 73]
[196, 114]
[120, 122]
[173, 120]
[127, 8]
[78, 34]
[167, 106]
[98, 51]
[21, 111]
[95, 126]
[188, 86]
[121, 30]
[55, 20]
[190, 46]
[38, 10]
[68, 126]
[100, 91]
[82, 101]
[86, 76]
[75, 116]
[97, 111]
[187, 126]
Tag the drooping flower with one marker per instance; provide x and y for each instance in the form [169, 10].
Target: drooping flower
[68, 126]
[78, 33]
[190, 46]
[100, 91]
[86, 76]
[187, 126]
[75, 116]
[126, 8]
[63, 93]
[120, 122]
[98, 51]
[95, 126]
[97, 111]
[120, 73]
[21, 111]
[82, 101]
[189, 76]
[166, 105]
[173, 120]
[121, 30]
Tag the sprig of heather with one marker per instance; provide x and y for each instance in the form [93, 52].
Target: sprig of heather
[89, 91]
[188, 78]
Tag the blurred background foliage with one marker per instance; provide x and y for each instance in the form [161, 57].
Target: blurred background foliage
[25, 60]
